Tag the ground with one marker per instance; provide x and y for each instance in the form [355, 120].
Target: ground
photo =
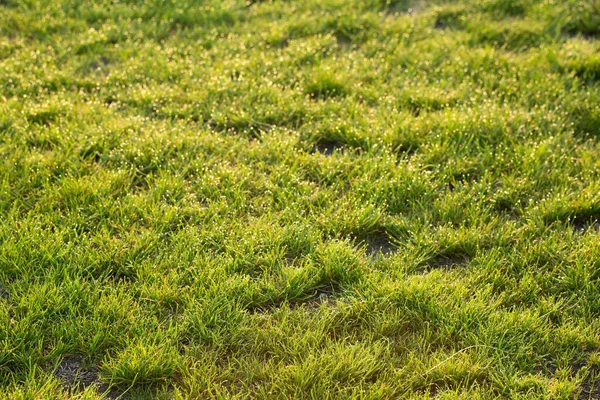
[300, 199]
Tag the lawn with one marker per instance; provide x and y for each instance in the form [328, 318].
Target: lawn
[324, 199]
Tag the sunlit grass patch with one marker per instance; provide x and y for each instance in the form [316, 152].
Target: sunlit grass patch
[291, 199]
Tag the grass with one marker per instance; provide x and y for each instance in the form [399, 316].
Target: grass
[300, 199]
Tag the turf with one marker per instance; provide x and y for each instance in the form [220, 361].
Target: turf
[300, 199]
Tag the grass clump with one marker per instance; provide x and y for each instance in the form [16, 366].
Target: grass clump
[325, 85]
[141, 364]
[326, 199]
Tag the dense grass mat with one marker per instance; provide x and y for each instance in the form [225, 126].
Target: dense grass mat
[299, 199]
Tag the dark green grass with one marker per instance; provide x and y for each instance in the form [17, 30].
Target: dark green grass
[300, 199]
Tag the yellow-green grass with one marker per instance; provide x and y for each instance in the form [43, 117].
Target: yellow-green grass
[300, 199]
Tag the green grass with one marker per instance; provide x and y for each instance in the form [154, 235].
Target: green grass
[300, 199]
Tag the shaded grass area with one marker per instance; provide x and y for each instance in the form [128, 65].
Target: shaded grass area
[299, 199]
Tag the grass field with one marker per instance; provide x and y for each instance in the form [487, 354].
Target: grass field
[317, 199]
